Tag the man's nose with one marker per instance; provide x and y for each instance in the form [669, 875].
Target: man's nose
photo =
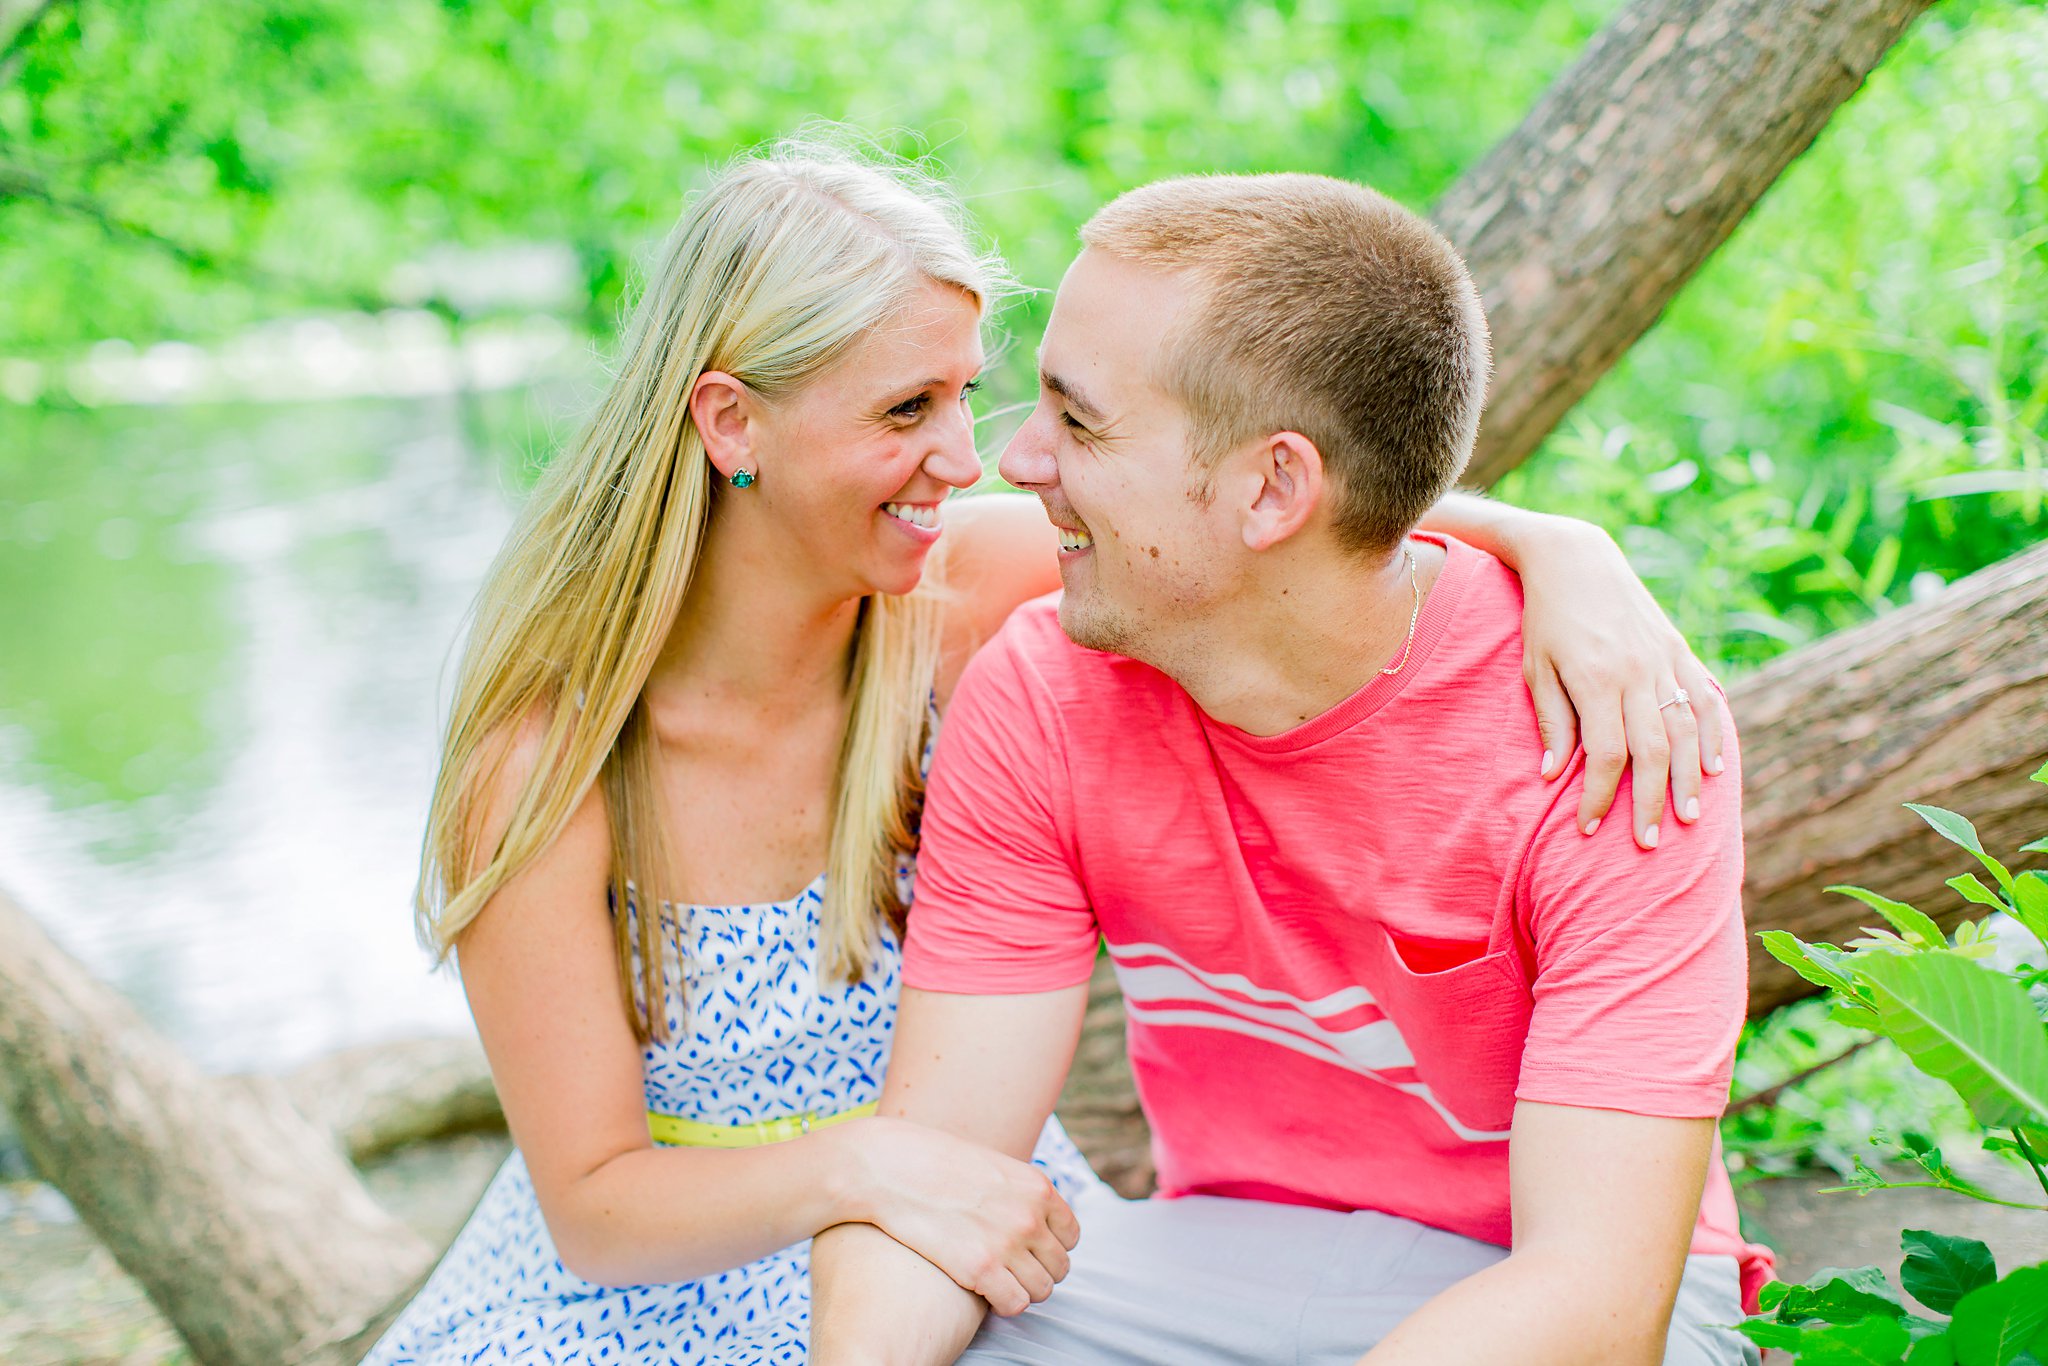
[1027, 462]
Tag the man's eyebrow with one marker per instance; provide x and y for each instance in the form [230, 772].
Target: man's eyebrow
[1074, 399]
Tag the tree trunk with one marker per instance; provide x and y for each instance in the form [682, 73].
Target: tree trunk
[1583, 223]
[252, 1235]
[1099, 1105]
[1943, 703]
[242, 1220]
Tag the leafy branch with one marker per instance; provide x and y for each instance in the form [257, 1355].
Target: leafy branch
[2033, 1159]
[20, 183]
[1770, 1095]
[1959, 1018]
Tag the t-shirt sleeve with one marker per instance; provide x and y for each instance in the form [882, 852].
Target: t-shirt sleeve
[1641, 971]
[999, 908]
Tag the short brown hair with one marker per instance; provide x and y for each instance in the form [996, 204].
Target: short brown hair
[1325, 308]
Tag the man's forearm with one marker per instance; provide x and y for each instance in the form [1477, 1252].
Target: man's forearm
[1530, 1311]
[877, 1303]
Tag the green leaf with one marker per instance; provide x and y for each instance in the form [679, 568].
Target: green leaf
[1866, 1342]
[1933, 1351]
[1842, 1295]
[2035, 1134]
[1910, 921]
[1949, 826]
[1995, 1323]
[1957, 830]
[1939, 1270]
[1973, 889]
[1772, 1295]
[2030, 903]
[2040, 775]
[1918, 1327]
[1973, 1028]
[1769, 1333]
[2039, 846]
[1815, 962]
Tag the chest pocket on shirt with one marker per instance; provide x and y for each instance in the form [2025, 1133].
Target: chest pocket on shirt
[1465, 1025]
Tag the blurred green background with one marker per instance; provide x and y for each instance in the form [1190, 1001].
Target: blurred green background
[294, 296]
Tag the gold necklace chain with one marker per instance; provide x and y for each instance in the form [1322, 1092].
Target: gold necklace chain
[1414, 615]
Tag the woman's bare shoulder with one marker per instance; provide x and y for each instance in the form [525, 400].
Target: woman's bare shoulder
[505, 763]
[1000, 555]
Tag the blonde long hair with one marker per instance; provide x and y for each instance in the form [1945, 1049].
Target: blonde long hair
[772, 274]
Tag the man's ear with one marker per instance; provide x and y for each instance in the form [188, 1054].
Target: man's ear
[1284, 477]
[727, 416]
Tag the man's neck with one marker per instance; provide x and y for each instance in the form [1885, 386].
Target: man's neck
[1304, 639]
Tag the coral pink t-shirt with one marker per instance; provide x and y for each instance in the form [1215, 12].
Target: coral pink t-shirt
[1346, 950]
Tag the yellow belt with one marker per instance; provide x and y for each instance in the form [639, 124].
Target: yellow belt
[695, 1133]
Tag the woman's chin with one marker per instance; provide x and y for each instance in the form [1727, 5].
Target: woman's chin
[898, 584]
[900, 569]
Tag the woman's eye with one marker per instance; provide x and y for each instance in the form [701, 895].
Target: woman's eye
[910, 408]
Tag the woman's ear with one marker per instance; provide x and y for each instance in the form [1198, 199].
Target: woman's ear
[1285, 475]
[727, 416]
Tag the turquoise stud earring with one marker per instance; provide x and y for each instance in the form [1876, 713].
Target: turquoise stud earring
[742, 478]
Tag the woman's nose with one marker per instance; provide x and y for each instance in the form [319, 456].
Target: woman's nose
[953, 459]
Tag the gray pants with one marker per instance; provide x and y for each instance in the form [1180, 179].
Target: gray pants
[1209, 1282]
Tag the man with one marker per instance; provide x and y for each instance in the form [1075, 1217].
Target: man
[1432, 1078]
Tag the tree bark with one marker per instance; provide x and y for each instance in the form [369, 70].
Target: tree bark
[1944, 703]
[1583, 223]
[382, 1097]
[1099, 1104]
[241, 1219]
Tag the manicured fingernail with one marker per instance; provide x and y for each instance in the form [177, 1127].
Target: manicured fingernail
[1546, 762]
[1692, 808]
[1650, 838]
[1592, 825]
[1715, 765]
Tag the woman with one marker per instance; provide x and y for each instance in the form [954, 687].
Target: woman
[708, 664]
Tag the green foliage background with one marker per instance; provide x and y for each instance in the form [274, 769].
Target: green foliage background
[1846, 407]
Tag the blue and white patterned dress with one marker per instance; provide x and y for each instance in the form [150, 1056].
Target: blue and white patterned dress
[763, 1038]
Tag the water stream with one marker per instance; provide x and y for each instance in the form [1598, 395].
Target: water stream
[225, 639]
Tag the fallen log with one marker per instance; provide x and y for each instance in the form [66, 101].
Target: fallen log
[1099, 1104]
[238, 1215]
[1944, 703]
[377, 1098]
[1582, 224]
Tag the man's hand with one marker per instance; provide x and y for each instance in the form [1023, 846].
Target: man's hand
[982, 1068]
[1604, 1207]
